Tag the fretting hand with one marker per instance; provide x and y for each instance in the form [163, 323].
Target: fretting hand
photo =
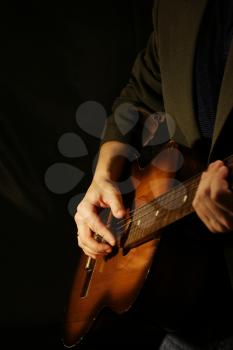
[213, 201]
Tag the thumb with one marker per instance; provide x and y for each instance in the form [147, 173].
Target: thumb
[116, 205]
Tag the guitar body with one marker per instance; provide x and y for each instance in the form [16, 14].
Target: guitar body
[116, 281]
[114, 284]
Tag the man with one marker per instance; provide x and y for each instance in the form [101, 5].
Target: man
[186, 72]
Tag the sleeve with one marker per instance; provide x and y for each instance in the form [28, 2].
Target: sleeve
[141, 96]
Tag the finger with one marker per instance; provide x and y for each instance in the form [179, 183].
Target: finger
[216, 227]
[211, 225]
[205, 215]
[87, 241]
[218, 219]
[212, 214]
[210, 221]
[214, 166]
[89, 253]
[113, 199]
[207, 175]
[204, 188]
[116, 205]
[213, 183]
[95, 248]
[89, 218]
[220, 192]
[92, 254]
[213, 217]
[85, 235]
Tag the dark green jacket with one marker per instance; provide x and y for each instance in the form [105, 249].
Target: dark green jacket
[162, 80]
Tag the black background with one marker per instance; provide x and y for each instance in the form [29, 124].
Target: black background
[53, 58]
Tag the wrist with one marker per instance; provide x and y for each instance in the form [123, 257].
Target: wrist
[112, 158]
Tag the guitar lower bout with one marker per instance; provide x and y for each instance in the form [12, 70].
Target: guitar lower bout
[116, 281]
[113, 283]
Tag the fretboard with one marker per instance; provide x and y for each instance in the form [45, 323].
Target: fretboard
[147, 220]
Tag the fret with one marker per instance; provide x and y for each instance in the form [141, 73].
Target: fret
[162, 211]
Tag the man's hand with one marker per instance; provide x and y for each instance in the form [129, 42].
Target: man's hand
[213, 201]
[102, 193]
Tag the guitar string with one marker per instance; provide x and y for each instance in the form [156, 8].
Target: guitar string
[121, 229]
[161, 197]
[157, 201]
[158, 204]
[151, 223]
[193, 185]
[138, 233]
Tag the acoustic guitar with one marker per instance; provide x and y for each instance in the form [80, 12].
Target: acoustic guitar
[114, 281]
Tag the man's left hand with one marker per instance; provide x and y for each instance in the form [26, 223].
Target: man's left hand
[213, 201]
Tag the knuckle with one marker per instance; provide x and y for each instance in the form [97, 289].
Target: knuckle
[216, 164]
[219, 162]
[203, 175]
[96, 227]
[77, 216]
[80, 243]
[227, 223]
[194, 202]
[79, 207]
[93, 225]
[216, 195]
[216, 227]
[89, 254]
[110, 196]
[212, 226]
[204, 192]
[209, 226]
[211, 165]
[78, 219]
[111, 189]
[213, 230]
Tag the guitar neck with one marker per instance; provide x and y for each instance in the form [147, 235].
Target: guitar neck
[147, 220]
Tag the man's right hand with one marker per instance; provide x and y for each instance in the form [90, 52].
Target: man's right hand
[102, 193]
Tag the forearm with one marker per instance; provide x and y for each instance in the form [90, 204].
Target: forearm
[112, 158]
[138, 100]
